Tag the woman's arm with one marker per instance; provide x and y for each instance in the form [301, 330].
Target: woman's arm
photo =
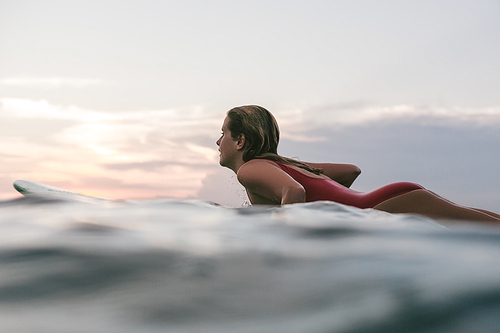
[266, 183]
[344, 174]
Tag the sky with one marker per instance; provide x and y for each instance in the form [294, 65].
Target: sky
[125, 99]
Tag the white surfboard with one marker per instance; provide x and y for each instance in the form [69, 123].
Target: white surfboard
[32, 189]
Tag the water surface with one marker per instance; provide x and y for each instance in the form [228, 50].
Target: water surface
[192, 266]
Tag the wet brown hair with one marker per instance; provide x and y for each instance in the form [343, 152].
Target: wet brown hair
[262, 135]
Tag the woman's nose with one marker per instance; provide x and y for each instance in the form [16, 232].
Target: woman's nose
[217, 142]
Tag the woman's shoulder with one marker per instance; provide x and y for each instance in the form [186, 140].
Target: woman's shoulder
[256, 165]
[256, 169]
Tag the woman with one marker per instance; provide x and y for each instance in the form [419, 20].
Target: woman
[248, 146]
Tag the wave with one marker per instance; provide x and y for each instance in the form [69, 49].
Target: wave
[177, 266]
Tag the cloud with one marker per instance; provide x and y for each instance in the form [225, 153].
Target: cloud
[298, 124]
[41, 109]
[150, 165]
[298, 137]
[165, 153]
[445, 116]
[209, 153]
[177, 122]
[50, 82]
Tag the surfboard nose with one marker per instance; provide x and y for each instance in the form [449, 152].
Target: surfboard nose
[21, 186]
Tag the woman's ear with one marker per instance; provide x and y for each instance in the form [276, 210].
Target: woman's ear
[240, 142]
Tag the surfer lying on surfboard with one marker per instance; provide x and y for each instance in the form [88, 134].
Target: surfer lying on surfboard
[248, 146]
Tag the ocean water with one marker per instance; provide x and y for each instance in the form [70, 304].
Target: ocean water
[192, 266]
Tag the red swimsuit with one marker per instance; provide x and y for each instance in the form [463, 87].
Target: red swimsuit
[326, 189]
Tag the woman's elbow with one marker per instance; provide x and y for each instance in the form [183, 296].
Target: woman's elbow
[352, 175]
[294, 194]
[355, 171]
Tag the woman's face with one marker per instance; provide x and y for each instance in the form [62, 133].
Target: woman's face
[227, 146]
